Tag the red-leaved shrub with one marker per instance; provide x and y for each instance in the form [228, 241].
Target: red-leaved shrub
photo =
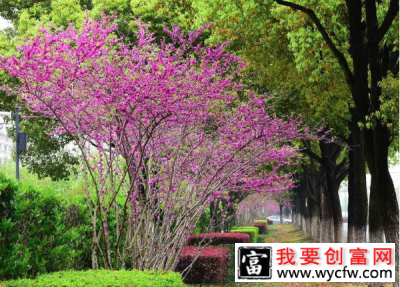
[211, 265]
[218, 238]
[262, 227]
[270, 222]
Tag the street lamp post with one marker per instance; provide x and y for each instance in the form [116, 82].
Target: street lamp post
[16, 143]
[20, 142]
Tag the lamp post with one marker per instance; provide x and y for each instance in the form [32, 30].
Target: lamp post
[16, 143]
[20, 142]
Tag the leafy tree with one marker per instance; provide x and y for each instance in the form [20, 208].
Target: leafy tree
[322, 97]
[364, 44]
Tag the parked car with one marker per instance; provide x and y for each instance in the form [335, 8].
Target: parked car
[276, 219]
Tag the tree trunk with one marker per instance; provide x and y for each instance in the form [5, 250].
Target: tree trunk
[293, 214]
[358, 199]
[332, 187]
[298, 208]
[281, 213]
[215, 216]
[387, 195]
[314, 220]
[327, 225]
[304, 210]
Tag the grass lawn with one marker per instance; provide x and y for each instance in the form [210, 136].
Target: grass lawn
[287, 233]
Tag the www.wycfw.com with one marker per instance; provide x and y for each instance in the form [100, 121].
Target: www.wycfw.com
[338, 273]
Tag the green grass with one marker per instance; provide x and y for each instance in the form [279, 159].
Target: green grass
[286, 233]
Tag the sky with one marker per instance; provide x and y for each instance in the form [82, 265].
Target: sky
[4, 23]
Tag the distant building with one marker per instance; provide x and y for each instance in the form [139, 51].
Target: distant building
[6, 146]
[6, 143]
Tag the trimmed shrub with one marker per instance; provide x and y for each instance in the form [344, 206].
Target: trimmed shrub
[211, 265]
[262, 227]
[250, 230]
[97, 278]
[270, 222]
[266, 221]
[262, 220]
[218, 238]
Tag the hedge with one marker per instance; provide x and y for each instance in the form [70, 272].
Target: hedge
[40, 232]
[97, 278]
[262, 220]
[262, 227]
[211, 265]
[250, 230]
[218, 238]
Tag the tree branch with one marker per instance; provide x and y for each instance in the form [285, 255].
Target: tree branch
[342, 175]
[389, 18]
[339, 55]
[312, 155]
[341, 165]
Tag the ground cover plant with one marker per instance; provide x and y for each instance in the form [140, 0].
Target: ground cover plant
[101, 278]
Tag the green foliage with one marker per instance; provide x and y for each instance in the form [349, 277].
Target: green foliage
[39, 232]
[72, 189]
[97, 278]
[388, 114]
[11, 9]
[158, 13]
[203, 223]
[250, 230]
[280, 60]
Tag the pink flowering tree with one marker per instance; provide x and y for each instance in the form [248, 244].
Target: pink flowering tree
[256, 206]
[283, 199]
[161, 132]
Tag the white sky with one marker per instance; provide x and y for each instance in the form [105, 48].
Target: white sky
[4, 23]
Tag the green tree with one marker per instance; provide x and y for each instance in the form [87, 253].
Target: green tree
[313, 88]
[365, 46]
